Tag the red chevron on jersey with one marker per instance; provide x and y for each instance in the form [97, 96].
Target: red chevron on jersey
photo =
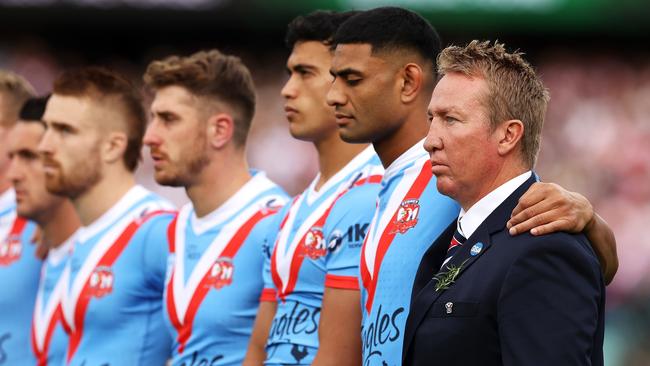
[308, 240]
[214, 269]
[404, 217]
[107, 252]
[11, 248]
[41, 346]
[43, 324]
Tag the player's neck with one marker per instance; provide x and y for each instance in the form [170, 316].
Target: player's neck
[93, 203]
[333, 155]
[218, 181]
[62, 222]
[393, 146]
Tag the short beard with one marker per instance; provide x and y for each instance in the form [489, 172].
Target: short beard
[188, 169]
[85, 175]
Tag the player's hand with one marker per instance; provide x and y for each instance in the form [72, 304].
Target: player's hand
[547, 208]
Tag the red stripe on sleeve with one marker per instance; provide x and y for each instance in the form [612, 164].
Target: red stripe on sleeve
[269, 294]
[342, 282]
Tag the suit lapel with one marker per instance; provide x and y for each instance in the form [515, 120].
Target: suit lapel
[473, 249]
[432, 260]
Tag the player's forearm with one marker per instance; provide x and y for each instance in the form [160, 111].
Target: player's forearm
[342, 355]
[604, 244]
[256, 353]
[339, 329]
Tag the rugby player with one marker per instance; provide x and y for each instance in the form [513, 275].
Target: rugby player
[19, 266]
[57, 222]
[311, 315]
[201, 112]
[113, 299]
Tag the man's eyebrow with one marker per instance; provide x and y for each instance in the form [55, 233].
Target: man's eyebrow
[345, 72]
[61, 125]
[302, 67]
[27, 153]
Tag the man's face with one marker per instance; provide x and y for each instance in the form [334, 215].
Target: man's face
[309, 116]
[462, 147]
[176, 136]
[71, 145]
[26, 171]
[365, 93]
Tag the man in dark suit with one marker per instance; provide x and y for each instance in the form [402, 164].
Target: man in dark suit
[493, 298]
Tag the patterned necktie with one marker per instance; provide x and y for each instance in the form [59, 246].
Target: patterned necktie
[456, 242]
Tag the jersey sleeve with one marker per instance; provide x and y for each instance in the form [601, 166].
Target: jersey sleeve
[345, 230]
[156, 249]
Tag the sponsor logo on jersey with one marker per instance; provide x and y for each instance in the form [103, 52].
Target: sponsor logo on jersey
[101, 282]
[10, 250]
[314, 244]
[407, 215]
[220, 274]
[383, 329]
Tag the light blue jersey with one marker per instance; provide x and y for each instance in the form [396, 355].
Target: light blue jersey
[317, 246]
[49, 339]
[410, 215]
[214, 282]
[19, 270]
[113, 303]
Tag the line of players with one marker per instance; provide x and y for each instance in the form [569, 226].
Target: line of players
[242, 274]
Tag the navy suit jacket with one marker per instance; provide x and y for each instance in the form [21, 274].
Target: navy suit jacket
[521, 300]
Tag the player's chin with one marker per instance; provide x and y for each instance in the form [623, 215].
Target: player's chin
[353, 136]
[165, 179]
[24, 209]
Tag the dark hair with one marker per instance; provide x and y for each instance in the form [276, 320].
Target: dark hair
[213, 74]
[319, 25]
[99, 83]
[388, 29]
[33, 109]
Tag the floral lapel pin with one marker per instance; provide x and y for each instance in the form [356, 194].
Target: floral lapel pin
[447, 278]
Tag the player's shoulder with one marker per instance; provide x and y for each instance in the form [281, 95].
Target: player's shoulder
[268, 187]
[154, 211]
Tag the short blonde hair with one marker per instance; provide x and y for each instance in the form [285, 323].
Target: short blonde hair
[515, 90]
[18, 90]
[210, 74]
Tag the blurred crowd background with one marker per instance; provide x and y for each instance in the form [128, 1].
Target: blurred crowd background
[593, 55]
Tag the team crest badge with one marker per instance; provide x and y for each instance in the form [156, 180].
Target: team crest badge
[314, 243]
[10, 250]
[220, 274]
[407, 215]
[101, 282]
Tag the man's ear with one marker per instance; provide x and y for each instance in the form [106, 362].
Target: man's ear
[509, 133]
[220, 130]
[114, 146]
[412, 79]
